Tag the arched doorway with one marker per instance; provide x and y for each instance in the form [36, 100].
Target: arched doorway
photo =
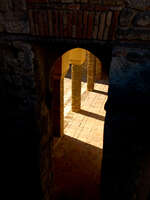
[77, 153]
[48, 56]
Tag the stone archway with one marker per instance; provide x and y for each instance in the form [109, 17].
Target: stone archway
[62, 185]
[46, 58]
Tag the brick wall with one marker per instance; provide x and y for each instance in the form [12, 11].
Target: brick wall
[97, 20]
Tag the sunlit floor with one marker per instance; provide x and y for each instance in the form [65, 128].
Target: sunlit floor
[88, 124]
[78, 155]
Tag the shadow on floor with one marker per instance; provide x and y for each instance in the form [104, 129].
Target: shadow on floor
[93, 115]
[103, 81]
[77, 167]
[100, 92]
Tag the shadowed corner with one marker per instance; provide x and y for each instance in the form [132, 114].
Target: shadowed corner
[92, 115]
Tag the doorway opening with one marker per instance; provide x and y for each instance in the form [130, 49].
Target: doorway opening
[77, 153]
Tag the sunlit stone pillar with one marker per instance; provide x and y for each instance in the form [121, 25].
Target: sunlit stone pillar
[76, 87]
[91, 64]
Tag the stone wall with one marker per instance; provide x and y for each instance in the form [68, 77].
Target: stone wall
[126, 126]
[133, 25]
[18, 98]
[18, 120]
[13, 17]
[126, 151]
[97, 20]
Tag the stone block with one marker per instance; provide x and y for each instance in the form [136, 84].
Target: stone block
[95, 32]
[77, 1]
[67, 1]
[4, 5]
[38, 1]
[84, 1]
[139, 4]
[133, 34]
[101, 25]
[16, 26]
[142, 19]
[113, 3]
[19, 5]
[95, 1]
[126, 16]
[2, 28]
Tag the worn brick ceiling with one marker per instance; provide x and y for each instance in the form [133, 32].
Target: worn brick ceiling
[88, 19]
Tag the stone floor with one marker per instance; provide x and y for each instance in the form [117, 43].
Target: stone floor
[78, 154]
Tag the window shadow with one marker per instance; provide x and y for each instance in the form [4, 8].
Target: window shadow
[93, 115]
[100, 92]
[77, 170]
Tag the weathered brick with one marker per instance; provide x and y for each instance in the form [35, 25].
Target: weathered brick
[85, 24]
[32, 28]
[97, 17]
[67, 1]
[74, 27]
[94, 1]
[126, 16]
[4, 5]
[79, 25]
[77, 1]
[90, 25]
[36, 1]
[84, 1]
[50, 23]
[45, 21]
[15, 26]
[114, 26]
[143, 4]
[36, 22]
[55, 22]
[61, 23]
[141, 19]
[41, 23]
[95, 31]
[74, 24]
[69, 24]
[65, 25]
[113, 3]
[101, 25]
[107, 25]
